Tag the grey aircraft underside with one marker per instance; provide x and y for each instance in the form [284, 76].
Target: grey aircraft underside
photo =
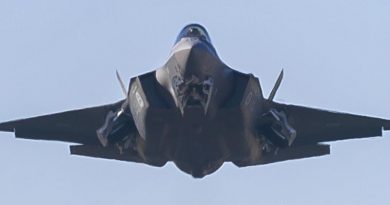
[198, 113]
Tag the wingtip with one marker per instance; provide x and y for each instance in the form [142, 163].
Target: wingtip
[386, 125]
[73, 149]
[7, 127]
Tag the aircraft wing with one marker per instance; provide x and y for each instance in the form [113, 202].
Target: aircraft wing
[313, 125]
[77, 126]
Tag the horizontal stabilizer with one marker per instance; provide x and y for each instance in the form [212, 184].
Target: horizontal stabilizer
[292, 153]
[110, 152]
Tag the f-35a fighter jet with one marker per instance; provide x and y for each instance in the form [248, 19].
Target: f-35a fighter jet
[198, 113]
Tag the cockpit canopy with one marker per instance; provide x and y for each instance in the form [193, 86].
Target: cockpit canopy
[194, 30]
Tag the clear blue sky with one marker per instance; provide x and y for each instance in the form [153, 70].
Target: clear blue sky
[62, 55]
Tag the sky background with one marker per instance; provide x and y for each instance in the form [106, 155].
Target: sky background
[62, 55]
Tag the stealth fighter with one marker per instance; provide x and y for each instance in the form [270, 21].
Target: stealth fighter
[198, 113]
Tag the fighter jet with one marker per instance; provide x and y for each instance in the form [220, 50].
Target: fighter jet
[198, 113]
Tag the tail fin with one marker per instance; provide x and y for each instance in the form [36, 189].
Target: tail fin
[121, 83]
[276, 86]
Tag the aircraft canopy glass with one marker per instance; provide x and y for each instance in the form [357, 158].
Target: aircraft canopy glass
[194, 30]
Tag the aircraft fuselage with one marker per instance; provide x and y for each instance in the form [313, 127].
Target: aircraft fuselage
[196, 111]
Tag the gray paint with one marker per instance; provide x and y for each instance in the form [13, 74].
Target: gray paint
[174, 117]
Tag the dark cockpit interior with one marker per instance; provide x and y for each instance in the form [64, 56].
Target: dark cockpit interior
[194, 30]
